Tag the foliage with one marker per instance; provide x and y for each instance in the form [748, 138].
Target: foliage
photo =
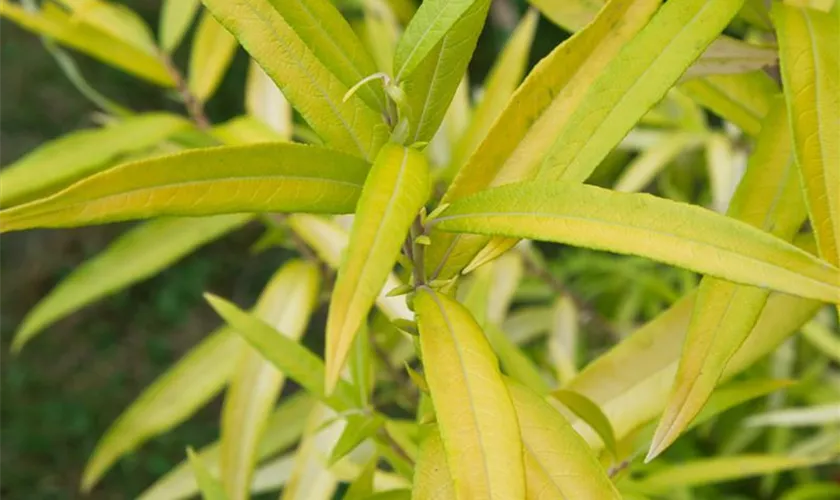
[461, 359]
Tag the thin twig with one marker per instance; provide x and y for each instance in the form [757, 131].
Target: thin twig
[195, 108]
[418, 253]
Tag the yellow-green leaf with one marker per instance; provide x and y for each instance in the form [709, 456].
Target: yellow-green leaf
[243, 130]
[476, 416]
[170, 400]
[329, 242]
[362, 487]
[395, 190]
[639, 77]
[557, 459]
[114, 19]
[727, 55]
[211, 54]
[292, 46]
[590, 413]
[431, 23]
[571, 15]
[432, 480]
[679, 234]
[503, 79]
[211, 488]
[380, 31]
[286, 304]
[430, 88]
[534, 116]
[643, 169]
[264, 101]
[769, 198]
[67, 159]
[720, 469]
[358, 429]
[292, 359]
[823, 339]
[150, 248]
[742, 99]
[283, 429]
[85, 38]
[310, 478]
[230, 179]
[564, 339]
[809, 51]
[175, 19]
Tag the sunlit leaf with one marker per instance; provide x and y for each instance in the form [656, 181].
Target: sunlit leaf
[644, 168]
[823, 339]
[117, 20]
[797, 417]
[589, 412]
[85, 38]
[211, 488]
[476, 416]
[175, 19]
[314, 58]
[211, 53]
[557, 460]
[571, 15]
[635, 224]
[809, 51]
[264, 101]
[533, 118]
[286, 304]
[432, 480]
[743, 99]
[769, 198]
[727, 55]
[358, 429]
[150, 247]
[58, 163]
[564, 339]
[395, 190]
[171, 399]
[291, 358]
[232, 179]
[311, 479]
[245, 129]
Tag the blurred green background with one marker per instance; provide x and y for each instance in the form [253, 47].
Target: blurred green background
[64, 389]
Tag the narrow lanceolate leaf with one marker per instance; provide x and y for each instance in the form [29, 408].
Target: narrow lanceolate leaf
[827, 414]
[589, 412]
[60, 26]
[231, 179]
[432, 86]
[432, 480]
[715, 470]
[477, 420]
[175, 19]
[395, 190]
[170, 400]
[264, 101]
[286, 304]
[211, 488]
[292, 42]
[501, 83]
[639, 77]
[571, 15]
[534, 116]
[310, 478]
[809, 48]
[329, 241]
[292, 359]
[727, 55]
[557, 459]
[743, 99]
[283, 429]
[149, 248]
[67, 159]
[211, 53]
[117, 20]
[638, 224]
[769, 198]
[642, 170]
[430, 24]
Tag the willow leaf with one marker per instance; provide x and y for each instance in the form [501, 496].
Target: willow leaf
[637, 224]
[310, 478]
[395, 190]
[640, 76]
[743, 99]
[769, 198]
[477, 420]
[589, 412]
[151, 247]
[211, 54]
[557, 459]
[229, 179]
[93, 42]
[267, 103]
[289, 54]
[571, 15]
[175, 19]
[643, 169]
[809, 48]
[211, 488]
[69, 158]
[432, 86]
[432, 480]
[534, 116]
[286, 304]
[114, 19]
[170, 400]
[727, 55]
[431, 23]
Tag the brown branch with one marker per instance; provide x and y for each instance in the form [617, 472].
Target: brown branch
[195, 108]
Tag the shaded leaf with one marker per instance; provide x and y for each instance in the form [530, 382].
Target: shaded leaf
[743, 99]
[727, 55]
[589, 412]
